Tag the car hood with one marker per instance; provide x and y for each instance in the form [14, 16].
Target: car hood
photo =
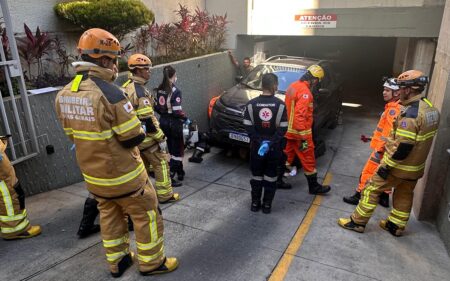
[238, 96]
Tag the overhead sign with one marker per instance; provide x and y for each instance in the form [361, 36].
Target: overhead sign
[317, 21]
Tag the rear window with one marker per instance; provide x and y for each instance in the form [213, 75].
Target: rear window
[286, 76]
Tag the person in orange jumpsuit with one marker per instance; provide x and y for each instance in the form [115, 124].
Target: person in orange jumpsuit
[299, 139]
[391, 96]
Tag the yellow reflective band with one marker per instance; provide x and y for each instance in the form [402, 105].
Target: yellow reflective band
[115, 256]
[21, 226]
[153, 226]
[14, 217]
[428, 102]
[144, 110]
[368, 205]
[115, 242]
[152, 257]
[68, 131]
[147, 139]
[291, 116]
[7, 199]
[397, 221]
[149, 246]
[76, 83]
[163, 192]
[406, 134]
[400, 213]
[116, 181]
[407, 168]
[91, 136]
[159, 134]
[362, 213]
[426, 136]
[303, 133]
[126, 83]
[165, 182]
[126, 126]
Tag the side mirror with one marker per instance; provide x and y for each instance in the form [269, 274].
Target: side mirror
[238, 78]
[324, 91]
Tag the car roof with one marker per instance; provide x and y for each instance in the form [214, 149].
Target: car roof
[298, 62]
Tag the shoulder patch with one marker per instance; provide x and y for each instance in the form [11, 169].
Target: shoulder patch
[140, 91]
[392, 112]
[305, 96]
[413, 110]
[112, 93]
[403, 124]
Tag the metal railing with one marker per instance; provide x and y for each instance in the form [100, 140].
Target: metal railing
[13, 71]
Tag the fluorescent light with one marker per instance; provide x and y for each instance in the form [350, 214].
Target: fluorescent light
[349, 104]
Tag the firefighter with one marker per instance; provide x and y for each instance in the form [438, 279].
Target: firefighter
[153, 148]
[391, 96]
[172, 119]
[266, 123]
[299, 106]
[404, 158]
[98, 118]
[14, 223]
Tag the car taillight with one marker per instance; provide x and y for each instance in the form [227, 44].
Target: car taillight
[212, 102]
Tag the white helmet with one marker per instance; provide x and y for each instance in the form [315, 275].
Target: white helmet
[390, 84]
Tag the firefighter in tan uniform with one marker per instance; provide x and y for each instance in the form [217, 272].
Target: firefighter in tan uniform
[14, 223]
[154, 147]
[101, 122]
[404, 159]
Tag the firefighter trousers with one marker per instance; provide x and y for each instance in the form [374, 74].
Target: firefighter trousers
[402, 199]
[369, 170]
[159, 162]
[142, 207]
[13, 215]
[307, 157]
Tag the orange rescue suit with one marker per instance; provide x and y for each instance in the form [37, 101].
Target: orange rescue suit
[384, 127]
[300, 107]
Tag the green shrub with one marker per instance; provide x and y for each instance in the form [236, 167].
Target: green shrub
[116, 16]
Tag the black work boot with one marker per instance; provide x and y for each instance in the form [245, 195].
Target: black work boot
[269, 194]
[197, 156]
[176, 183]
[384, 200]
[314, 186]
[282, 184]
[90, 212]
[123, 265]
[354, 199]
[181, 174]
[256, 195]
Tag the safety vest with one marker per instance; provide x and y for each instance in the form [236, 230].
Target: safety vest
[98, 118]
[300, 108]
[416, 126]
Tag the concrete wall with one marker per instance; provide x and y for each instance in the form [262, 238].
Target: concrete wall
[432, 195]
[199, 79]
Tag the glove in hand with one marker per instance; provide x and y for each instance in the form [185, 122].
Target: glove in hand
[163, 146]
[264, 148]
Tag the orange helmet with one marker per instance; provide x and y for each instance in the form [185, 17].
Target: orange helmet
[412, 78]
[96, 43]
[139, 61]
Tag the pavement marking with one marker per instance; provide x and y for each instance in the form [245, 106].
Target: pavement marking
[281, 269]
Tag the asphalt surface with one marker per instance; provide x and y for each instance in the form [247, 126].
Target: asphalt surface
[216, 237]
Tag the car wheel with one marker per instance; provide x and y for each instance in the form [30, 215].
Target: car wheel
[337, 120]
[320, 148]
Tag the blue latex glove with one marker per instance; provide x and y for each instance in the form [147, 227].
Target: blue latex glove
[187, 121]
[73, 147]
[264, 148]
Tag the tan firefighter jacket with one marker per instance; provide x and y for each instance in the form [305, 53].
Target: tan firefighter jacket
[142, 103]
[7, 173]
[99, 119]
[411, 138]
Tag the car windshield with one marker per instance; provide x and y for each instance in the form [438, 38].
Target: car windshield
[286, 75]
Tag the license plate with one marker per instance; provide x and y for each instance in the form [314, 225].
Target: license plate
[238, 137]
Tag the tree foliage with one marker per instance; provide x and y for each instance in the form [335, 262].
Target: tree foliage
[116, 16]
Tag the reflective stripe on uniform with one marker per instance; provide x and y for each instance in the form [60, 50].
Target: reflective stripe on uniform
[250, 112]
[406, 134]
[116, 181]
[166, 181]
[147, 139]
[400, 214]
[397, 221]
[407, 168]
[86, 135]
[159, 134]
[176, 158]
[279, 115]
[19, 227]
[117, 255]
[14, 217]
[126, 126]
[7, 199]
[115, 242]
[270, 179]
[152, 257]
[302, 133]
[363, 213]
[149, 246]
[428, 102]
[153, 226]
[247, 122]
[375, 160]
[416, 137]
[427, 136]
[126, 83]
[178, 107]
[283, 124]
[257, 178]
[76, 83]
[144, 110]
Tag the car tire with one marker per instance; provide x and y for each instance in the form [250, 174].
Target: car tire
[320, 148]
[336, 120]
